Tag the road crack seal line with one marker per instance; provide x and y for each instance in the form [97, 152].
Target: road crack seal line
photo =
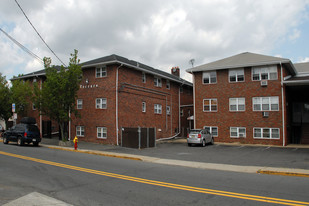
[164, 184]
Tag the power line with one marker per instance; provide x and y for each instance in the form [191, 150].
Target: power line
[23, 47]
[38, 33]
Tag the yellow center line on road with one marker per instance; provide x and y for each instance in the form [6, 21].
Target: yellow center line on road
[163, 184]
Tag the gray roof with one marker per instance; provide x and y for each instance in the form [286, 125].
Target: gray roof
[302, 67]
[246, 59]
[34, 74]
[115, 59]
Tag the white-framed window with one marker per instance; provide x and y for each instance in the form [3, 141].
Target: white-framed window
[181, 112]
[168, 110]
[158, 109]
[237, 132]
[80, 131]
[237, 104]
[266, 133]
[168, 84]
[181, 89]
[102, 132]
[265, 103]
[101, 103]
[143, 106]
[210, 105]
[264, 73]
[236, 75]
[157, 82]
[101, 72]
[79, 104]
[33, 106]
[210, 77]
[213, 130]
[143, 77]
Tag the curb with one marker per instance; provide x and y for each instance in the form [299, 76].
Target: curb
[295, 174]
[198, 165]
[94, 152]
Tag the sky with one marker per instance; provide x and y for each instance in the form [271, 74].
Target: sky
[161, 33]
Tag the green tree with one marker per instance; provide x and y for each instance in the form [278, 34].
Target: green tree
[5, 100]
[21, 94]
[57, 96]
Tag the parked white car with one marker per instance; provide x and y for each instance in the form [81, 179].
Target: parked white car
[199, 136]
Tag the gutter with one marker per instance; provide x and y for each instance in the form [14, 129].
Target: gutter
[283, 105]
[296, 82]
[200, 68]
[117, 127]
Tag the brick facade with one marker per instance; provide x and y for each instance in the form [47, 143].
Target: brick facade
[244, 125]
[223, 90]
[125, 91]
[132, 92]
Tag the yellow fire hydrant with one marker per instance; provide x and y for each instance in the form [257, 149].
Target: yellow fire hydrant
[75, 142]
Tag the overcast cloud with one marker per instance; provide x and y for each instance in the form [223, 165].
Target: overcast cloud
[161, 34]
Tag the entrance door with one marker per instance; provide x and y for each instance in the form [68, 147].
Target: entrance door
[300, 129]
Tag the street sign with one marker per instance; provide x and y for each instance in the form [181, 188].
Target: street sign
[13, 107]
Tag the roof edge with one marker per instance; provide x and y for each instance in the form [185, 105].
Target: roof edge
[192, 70]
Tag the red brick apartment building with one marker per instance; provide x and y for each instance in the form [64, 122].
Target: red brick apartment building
[116, 92]
[253, 98]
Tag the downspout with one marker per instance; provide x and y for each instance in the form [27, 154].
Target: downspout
[166, 118]
[69, 125]
[179, 110]
[194, 115]
[41, 129]
[171, 114]
[117, 128]
[283, 105]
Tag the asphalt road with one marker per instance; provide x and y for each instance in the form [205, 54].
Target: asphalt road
[84, 179]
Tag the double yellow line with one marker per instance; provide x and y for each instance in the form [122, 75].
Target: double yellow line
[164, 184]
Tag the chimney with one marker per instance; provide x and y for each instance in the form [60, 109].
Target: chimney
[175, 71]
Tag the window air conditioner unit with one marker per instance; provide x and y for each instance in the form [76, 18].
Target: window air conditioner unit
[265, 114]
[264, 83]
[241, 135]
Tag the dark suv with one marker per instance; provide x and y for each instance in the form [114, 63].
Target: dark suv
[25, 132]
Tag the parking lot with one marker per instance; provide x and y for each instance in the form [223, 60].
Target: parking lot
[244, 155]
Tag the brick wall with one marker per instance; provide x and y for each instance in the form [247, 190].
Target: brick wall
[131, 93]
[90, 117]
[224, 119]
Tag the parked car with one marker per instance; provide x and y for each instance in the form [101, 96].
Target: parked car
[200, 136]
[25, 132]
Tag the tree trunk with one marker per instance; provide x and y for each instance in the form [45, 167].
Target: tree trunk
[61, 124]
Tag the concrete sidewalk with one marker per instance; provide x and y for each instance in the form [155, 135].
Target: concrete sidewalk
[134, 154]
[176, 153]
